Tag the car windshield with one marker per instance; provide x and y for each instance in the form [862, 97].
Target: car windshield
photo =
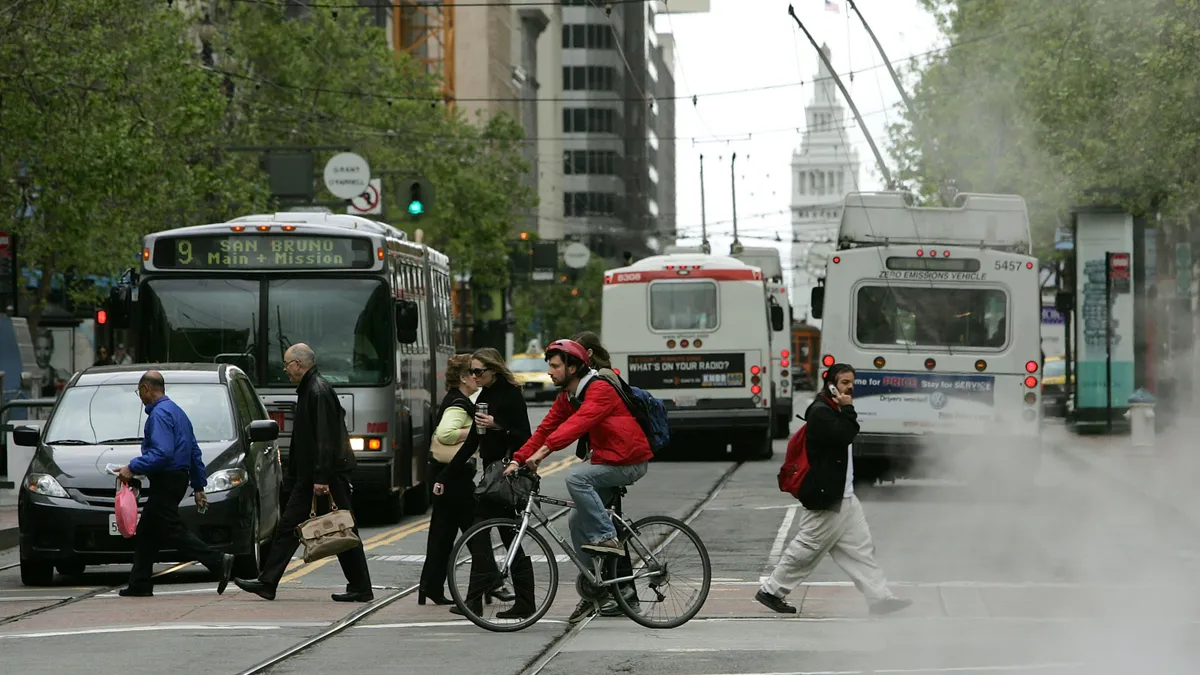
[113, 412]
[527, 365]
[1054, 369]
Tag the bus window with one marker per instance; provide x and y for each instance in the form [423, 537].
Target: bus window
[345, 321]
[201, 321]
[685, 305]
[954, 317]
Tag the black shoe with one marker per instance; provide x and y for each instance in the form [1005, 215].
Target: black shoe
[264, 591]
[353, 596]
[775, 602]
[888, 605]
[502, 594]
[435, 599]
[518, 611]
[226, 571]
[135, 593]
[476, 607]
[583, 610]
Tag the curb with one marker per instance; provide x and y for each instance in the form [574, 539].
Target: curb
[1079, 459]
[9, 538]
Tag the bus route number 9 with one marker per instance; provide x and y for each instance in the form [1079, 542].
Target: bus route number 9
[183, 251]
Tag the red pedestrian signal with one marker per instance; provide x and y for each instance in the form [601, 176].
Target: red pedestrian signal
[101, 317]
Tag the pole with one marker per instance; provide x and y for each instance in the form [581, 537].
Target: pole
[887, 175]
[703, 217]
[1108, 340]
[886, 62]
[733, 248]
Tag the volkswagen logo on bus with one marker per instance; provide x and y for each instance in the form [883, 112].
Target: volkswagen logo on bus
[937, 400]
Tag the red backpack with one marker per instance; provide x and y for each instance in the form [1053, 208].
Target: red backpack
[795, 463]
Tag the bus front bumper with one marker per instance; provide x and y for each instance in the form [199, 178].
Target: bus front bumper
[696, 419]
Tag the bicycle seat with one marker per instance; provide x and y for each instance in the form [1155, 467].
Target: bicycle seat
[615, 500]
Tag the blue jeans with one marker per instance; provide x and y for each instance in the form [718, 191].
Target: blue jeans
[589, 486]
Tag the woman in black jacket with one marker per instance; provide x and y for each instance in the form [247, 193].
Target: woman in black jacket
[505, 429]
[453, 481]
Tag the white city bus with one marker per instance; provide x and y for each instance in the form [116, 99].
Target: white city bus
[693, 330]
[939, 311]
[768, 260]
[374, 306]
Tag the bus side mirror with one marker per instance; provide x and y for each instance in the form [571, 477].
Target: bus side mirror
[406, 322]
[817, 302]
[1063, 301]
[776, 318]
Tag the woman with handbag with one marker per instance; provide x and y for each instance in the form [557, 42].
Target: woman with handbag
[452, 468]
[504, 428]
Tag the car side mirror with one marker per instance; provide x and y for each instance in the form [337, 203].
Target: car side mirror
[776, 318]
[26, 437]
[817, 302]
[261, 431]
[406, 322]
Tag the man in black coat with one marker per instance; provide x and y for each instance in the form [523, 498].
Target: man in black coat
[320, 461]
[832, 519]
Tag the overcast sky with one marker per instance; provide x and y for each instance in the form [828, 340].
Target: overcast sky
[745, 44]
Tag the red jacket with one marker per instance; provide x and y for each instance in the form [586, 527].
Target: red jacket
[613, 433]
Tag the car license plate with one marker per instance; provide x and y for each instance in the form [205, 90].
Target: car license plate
[112, 524]
[685, 401]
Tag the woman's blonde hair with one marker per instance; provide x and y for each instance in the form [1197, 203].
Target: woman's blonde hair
[491, 359]
[457, 368]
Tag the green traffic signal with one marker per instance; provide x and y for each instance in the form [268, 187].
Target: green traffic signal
[416, 208]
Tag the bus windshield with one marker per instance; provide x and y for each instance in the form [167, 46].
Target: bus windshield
[953, 317]
[345, 321]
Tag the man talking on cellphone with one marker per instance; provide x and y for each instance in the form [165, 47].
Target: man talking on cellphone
[832, 519]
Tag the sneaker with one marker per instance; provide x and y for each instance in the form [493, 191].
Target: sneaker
[775, 602]
[608, 547]
[583, 610]
[888, 605]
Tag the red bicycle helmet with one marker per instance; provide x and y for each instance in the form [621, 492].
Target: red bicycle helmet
[569, 347]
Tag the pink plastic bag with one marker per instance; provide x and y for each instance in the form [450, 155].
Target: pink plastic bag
[127, 515]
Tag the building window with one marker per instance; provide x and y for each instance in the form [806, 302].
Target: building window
[589, 78]
[577, 204]
[591, 162]
[599, 120]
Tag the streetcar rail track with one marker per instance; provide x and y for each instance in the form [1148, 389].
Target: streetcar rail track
[350, 620]
[87, 595]
[543, 658]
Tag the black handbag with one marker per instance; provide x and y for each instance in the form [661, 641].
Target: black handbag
[496, 488]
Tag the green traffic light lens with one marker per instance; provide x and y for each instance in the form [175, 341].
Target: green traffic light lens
[416, 208]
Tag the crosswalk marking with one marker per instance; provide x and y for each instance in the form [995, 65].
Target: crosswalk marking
[562, 558]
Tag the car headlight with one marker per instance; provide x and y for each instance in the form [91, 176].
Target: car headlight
[226, 479]
[44, 484]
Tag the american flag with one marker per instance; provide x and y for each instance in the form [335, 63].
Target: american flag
[831, 6]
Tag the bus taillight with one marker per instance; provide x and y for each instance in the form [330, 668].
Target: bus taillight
[264, 228]
[289, 228]
[145, 254]
[379, 253]
[756, 390]
[1031, 367]
[237, 228]
[827, 360]
[784, 363]
[1031, 382]
[785, 353]
[754, 370]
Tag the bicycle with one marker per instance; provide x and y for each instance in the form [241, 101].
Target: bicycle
[645, 559]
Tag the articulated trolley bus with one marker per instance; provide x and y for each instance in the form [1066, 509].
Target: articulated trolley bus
[693, 330]
[939, 309]
[374, 306]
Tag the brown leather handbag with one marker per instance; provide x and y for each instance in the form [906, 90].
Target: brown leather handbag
[328, 534]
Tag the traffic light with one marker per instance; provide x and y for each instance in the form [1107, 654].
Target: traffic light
[101, 317]
[416, 194]
[416, 203]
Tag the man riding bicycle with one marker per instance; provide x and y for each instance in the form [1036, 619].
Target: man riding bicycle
[620, 453]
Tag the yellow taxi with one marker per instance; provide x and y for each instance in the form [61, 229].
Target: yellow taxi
[533, 377]
[1054, 385]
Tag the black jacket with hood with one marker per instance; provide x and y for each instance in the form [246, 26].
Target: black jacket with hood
[831, 430]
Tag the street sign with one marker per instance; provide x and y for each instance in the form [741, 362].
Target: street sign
[576, 256]
[1119, 272]
[347, 175]
[5, 241]
[369, 202]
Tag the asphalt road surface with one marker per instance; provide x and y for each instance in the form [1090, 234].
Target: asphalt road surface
[1075, 575]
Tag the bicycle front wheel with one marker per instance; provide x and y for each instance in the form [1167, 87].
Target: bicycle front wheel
[478, 567]
[671, 571]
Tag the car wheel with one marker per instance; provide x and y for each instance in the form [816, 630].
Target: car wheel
[247, 566]
[36, 573]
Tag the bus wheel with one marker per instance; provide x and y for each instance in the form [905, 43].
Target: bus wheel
[781, 426]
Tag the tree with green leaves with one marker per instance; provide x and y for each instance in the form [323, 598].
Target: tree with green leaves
[317, 79]
[1054, 100]
[553, 310]
[108, 131]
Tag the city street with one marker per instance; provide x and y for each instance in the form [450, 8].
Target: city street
[1078, 575]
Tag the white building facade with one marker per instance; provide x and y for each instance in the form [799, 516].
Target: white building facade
[824, 168]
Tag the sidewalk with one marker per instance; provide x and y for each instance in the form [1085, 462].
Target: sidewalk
[1167, 473]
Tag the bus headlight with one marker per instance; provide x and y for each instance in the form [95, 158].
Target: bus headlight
[357, 444]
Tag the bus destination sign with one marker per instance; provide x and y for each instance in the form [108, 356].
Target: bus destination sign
[262, 252]
[687, 371]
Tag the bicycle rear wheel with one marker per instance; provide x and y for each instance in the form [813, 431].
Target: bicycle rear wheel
[491, 539]
[672, 573]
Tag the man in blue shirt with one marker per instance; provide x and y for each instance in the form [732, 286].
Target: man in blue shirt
[170, 460]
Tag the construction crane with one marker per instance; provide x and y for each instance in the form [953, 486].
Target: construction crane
[425, 30]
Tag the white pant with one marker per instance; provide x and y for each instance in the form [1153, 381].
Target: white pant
[845, 535]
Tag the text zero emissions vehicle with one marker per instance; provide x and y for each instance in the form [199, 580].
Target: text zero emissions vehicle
[374, 306]
[694, 330]
[939, 310]
[66, 503]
